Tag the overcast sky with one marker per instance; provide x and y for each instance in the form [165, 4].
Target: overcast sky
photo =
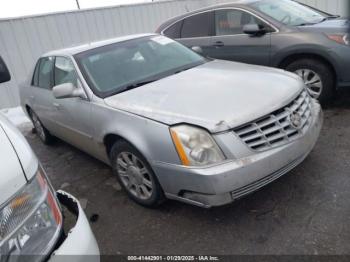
[14, 8]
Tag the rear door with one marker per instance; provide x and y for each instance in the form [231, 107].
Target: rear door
[196, 30]
[231, 43]
[41, 92]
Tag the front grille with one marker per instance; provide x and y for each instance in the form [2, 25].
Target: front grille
[277, 128]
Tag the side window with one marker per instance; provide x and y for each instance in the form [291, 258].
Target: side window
[35, 78]
[232, 21]
[45, 72]
[174, 31]
[64, 71]
[200, 25]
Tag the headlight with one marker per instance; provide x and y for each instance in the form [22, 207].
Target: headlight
[195, 146]
[343, 39]
[31, 222]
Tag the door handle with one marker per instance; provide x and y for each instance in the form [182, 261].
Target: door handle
[57, 105]
[219, 44]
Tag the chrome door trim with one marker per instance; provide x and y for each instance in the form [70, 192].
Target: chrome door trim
[222, 8]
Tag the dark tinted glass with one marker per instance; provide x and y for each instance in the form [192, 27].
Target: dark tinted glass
[198, 25]
[45, 72]
[64, 71]
[174, 31]
[4, 72]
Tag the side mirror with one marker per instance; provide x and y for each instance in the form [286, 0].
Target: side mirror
[197, 49]
[253, 29]
[68, 90]
[4, 72]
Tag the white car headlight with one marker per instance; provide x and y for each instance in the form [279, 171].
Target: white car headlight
[31, 222]
[195, 146]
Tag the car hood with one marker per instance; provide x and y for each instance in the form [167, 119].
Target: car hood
[218, 95]
[339, 25]
[18, 160]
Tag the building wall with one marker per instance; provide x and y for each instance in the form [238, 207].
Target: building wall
[23, 40]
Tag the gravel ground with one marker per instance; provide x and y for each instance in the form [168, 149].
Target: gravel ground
[305, 212]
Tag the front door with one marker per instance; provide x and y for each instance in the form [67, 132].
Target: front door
[231, 43]
[73, 115]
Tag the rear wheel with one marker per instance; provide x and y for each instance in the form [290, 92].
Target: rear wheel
[135, 175]
[317, 76]
[41, 131]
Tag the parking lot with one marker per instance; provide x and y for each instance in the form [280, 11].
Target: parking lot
[305, 212]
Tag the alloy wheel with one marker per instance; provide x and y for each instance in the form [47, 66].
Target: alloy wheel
[134, 175]
[312, 81]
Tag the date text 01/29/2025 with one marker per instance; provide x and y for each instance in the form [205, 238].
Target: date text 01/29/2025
[173, 258]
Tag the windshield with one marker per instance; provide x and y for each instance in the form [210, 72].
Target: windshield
[115, 68]
[289, 12]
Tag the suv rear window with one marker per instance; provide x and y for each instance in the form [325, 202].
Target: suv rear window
[174, 31]
[199, 25]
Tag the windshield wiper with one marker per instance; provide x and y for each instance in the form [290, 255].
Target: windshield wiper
[136, 85]
[305, 24]
[321, 21]
[333, 16]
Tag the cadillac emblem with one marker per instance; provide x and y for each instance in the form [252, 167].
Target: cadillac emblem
[295, 120]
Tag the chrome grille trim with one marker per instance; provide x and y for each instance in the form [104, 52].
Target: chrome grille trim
[276, 129]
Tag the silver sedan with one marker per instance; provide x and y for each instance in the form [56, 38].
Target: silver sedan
[171, 123]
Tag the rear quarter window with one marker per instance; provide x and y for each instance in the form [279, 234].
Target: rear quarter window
[174, 31]
[200, 25]
[35, 78]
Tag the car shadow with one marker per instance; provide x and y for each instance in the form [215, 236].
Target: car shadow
[341, 101]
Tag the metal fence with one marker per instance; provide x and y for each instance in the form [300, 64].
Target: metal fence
[23, 40]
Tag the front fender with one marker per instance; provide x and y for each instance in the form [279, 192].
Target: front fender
[152, 139]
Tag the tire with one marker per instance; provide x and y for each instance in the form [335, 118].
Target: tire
[40, 130]
[312, 69]
[135, 175]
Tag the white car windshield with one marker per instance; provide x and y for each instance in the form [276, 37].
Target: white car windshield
[289, 12]
[118, 67]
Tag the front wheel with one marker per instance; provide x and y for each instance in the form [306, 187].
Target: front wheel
[317, 76]
[135, 175]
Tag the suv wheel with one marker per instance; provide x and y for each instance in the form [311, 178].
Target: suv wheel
[317, 76]
[135, 175]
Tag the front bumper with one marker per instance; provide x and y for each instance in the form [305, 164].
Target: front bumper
[224, 183]
[80, 243]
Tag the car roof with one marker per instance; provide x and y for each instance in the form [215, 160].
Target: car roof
[70, 51]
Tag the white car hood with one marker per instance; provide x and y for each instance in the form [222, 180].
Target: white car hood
[18, 162]
[217, 95]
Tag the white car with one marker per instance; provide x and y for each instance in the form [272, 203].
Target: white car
[31, 219]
